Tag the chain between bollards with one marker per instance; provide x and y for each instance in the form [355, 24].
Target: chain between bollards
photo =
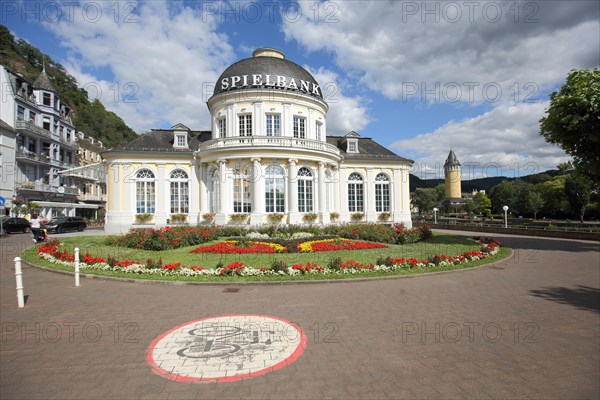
[76, 266]
[19, 278]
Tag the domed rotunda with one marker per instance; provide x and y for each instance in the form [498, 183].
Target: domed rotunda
[268, 152]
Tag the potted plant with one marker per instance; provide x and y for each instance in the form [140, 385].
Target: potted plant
[178, 218]
[309, 217]
[334, 216]
[239, 218]
[384, 216]
[208, 218]
[357, 217]
[143, 218]
[275, 218]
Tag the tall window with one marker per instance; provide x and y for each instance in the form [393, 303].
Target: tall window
[273, 125]
[46, 123]
[47, 99]
[382, 193]
[355, 193]
[274, 189]
[299, 127]
[20, 113]
[180, 199]
[145, 192]
[245, 122]
[213, 189]
[222, 127]
[242, 195]
[305, 190]
[318, 127]
[32, 117]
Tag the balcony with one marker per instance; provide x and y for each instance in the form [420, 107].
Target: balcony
[42, 187]
[91, 197]
[24, 154]
[31, 127]
[268, 141]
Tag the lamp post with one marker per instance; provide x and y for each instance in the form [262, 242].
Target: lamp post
[505, 208]
[435, 210]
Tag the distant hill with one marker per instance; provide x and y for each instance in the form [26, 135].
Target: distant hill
[90, 118]
[478, 184]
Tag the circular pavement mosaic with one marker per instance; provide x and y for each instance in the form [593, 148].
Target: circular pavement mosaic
[226, 348]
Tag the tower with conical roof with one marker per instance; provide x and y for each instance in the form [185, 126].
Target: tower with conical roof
[452, 174]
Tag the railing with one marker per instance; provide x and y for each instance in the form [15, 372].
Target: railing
[91, 197]
[31, 127]
[30, 155]
[43, 187]
[268, 141]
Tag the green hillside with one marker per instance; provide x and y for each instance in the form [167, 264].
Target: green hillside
[89, 117]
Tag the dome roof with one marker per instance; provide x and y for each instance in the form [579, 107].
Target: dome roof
[267, 68]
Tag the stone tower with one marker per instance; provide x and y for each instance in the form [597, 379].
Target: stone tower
[452, 176]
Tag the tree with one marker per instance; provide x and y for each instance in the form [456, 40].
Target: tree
[564, 166]
[578, 191]
[485, 204]
[423, 199]
[573, 120]
[469, 205]
[535, 202]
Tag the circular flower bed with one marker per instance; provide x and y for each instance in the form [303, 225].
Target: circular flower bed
[337, 244]
[237, 247]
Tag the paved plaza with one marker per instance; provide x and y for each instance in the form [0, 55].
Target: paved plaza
[526, 327]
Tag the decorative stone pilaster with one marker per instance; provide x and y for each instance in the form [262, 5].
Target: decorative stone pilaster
[322, 194]
[294, 215]
[258, 193]
[222, 215]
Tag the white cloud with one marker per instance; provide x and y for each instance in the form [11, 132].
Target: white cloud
[504, 141]
[164, 61]
[345, 113]
[388, 45]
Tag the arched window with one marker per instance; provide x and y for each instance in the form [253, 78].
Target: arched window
[356, 201]
[180, 199]
[145, 189]
[274, 189]
[382, 193]
[242, 189]
[213, 191]
[305, 190]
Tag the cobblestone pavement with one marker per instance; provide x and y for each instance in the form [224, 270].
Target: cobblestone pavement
[527, 327]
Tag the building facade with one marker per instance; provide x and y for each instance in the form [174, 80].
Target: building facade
[7, 166]
[44, 144]
[268, 153]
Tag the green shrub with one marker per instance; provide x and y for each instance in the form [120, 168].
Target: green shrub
[279, 266]
[335, 264]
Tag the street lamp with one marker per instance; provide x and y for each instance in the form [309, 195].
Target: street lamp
[435, 210]
[505, 208]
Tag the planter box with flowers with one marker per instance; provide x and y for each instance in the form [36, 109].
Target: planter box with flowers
[357, 217]
[275, 218]
[208, 218]
[310, 218]
[239, 218]
[178, 219]
[334, 216]
[143, 219]
[384, 216]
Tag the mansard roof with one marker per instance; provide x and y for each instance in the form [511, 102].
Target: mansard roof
[162, 140]
[367, 149]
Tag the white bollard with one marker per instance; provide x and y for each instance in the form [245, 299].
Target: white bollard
[76, 266]
[19, 277]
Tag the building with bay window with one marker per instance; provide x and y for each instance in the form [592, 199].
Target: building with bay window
[268, 152]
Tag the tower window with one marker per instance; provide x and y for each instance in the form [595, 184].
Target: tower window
[273, 125]
[47, 99]
[222, 127]
[300, 127]
[245, 124]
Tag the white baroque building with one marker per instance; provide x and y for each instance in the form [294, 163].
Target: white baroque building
[268, 152]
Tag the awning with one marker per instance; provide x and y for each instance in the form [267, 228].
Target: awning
[69, 205]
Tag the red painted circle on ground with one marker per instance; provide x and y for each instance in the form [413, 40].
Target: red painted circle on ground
[226, 348]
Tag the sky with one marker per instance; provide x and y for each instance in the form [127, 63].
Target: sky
[419, 77]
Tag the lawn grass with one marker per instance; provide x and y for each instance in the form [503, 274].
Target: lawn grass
[440, 243]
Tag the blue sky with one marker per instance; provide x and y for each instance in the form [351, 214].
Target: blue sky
[418, 77]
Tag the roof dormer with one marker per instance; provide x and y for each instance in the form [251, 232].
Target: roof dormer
[351, 141]
[180, 136]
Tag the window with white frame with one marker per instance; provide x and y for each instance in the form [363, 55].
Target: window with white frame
[242, 189]
[181, 140]
[273, 125]
[145, 192]
[245, 124]
[274, 189]
[352, 146]
[318, 127]
[222, 127]
[305, 190]
[180, 199]
[299, 127]
[214, 191]
[382, 193]
[355, 193]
